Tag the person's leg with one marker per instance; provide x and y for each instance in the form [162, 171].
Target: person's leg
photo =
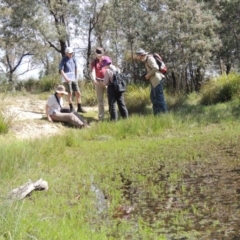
[159, 105]
[100, 89]
[68, 87]
[152, 97]
[112, 104]
[67, 118]
[122, 106]
[76, 90]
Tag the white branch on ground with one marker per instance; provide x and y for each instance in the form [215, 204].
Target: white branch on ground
[27, 188]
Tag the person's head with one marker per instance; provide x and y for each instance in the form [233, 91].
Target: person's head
[60, 90]
[141, 54]
[69, 52]
[106, 62]
[99, 52]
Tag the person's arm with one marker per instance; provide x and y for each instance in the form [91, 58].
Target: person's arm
[61, 69]
[66, 78]
[93, 72]
[107, 76]
[47, 111]
[76, 73]
[94, 78]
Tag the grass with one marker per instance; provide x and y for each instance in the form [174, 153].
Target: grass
[178, 171]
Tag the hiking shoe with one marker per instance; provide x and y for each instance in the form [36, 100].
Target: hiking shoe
[81, 110]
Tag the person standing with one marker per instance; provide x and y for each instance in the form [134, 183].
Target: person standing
[113, 96]
[54, 106]
[98, 71]
[68, 69]
[156, 79]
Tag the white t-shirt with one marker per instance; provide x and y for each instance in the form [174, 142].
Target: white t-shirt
[53, 104]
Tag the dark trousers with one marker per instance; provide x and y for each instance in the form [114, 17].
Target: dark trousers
[157, 99]
[113, 98]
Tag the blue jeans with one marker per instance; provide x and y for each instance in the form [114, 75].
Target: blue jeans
[157, 99]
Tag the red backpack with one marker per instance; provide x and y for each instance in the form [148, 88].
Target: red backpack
[161, 65]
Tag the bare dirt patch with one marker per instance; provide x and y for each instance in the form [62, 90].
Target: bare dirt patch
[29, 118]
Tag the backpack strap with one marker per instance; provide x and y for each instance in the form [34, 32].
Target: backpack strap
[147, 60]
[57, 100]
[114, 72]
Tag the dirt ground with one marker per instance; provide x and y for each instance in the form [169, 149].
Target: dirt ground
[29, 118]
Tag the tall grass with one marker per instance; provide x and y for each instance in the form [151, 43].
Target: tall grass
[144, 161]
[5, 123]
[132, 149]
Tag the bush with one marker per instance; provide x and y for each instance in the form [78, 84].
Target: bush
[4, 124]
[29, 85]
[88, 93]
[137, 98]
[48, 83]
[221, 89]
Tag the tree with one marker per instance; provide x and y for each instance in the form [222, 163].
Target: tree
[184, 34]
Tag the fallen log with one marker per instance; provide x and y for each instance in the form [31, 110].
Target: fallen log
[27, 188]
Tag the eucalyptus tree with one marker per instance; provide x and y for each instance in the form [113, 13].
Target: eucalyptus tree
[41, 28]
[16, 39]
[113, 26]
[183, 32]
[93, 15]
[228, 13]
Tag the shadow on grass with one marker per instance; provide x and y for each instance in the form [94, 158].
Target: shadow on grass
[210, 114]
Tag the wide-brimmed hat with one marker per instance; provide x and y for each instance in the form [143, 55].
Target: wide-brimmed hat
[69, 50]
[141, 52]
[61, 89]
[106, 61]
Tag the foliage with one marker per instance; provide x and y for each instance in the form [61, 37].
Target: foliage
[177, 171]
[137, 98]
[5, 123]
[221, 89]
[49, 82]
[88, 93]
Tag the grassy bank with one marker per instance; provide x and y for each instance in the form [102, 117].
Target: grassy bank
[175, 176]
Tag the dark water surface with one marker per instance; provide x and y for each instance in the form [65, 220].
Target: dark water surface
[201, 202]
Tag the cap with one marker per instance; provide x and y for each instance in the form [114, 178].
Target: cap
[69, 50]
[141, 52]
[61, 89]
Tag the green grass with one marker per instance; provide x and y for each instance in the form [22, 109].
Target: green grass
[179, 171]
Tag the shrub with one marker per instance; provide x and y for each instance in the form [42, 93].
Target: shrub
[48, 83]
[221, 89]
[88, 93]
[4, 124]
[29, 85]
[137, 98]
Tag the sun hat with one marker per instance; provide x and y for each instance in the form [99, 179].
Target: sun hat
[141, 52]
[69, 50]
[61, 89]
[106, 61]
